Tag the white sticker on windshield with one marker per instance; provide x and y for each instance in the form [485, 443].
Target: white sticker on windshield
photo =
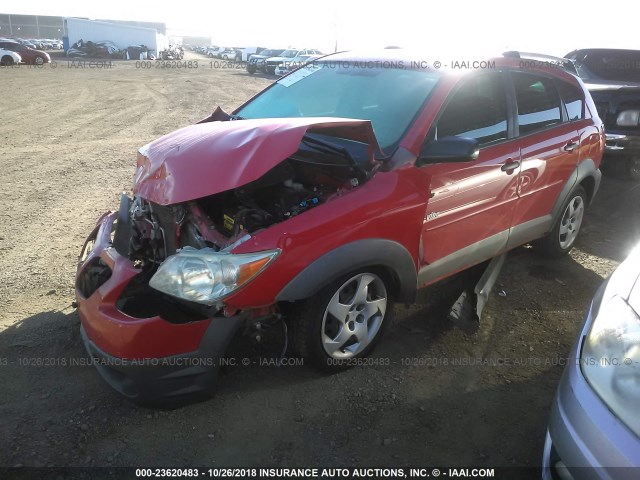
[299, 74]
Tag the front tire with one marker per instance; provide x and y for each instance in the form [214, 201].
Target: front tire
[39, 61]
[7, 61]
[342, 322]
[560, 240]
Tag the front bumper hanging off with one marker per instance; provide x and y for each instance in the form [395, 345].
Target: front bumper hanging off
[149, 360]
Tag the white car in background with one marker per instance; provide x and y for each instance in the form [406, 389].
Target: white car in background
[9, 58]
[227, 54]
[272, 63]
[296, 62]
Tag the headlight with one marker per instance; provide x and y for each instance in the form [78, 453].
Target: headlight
[611, 359]
[206, 276]
[628, 118]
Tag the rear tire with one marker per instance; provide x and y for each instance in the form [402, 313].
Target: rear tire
[342, 322]
[561, 239]
[632, 167]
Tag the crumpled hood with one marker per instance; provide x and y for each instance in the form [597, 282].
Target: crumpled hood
[209, 158]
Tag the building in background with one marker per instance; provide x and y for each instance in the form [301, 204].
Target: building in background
[31, 26]
[196, 41]
[121, 34]
[44, 26]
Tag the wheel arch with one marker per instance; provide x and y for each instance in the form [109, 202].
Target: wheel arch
[586, 175]
[385, 256]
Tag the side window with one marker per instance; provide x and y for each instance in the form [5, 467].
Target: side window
[477, 110]
[573, 99]
[538, 102]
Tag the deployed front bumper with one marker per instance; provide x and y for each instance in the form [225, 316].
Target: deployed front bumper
[585, 440]
[149, 360]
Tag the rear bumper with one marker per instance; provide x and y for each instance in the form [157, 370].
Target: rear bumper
[621, 144]
[150, 359]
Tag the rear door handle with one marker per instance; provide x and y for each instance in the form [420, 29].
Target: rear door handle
[510, 166]
[570, 147]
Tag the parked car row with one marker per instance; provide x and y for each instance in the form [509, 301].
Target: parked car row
[223, 53]
[27, 54]
[37, 44]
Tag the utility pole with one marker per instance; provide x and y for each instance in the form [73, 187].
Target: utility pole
[335, 29]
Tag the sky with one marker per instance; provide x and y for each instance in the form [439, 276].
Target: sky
[447, 28]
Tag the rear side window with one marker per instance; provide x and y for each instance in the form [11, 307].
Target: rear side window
[573, 99]
[477, 110]
[538, 102]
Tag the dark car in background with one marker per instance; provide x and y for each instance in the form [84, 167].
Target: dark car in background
[257, 62]
[29, 55]
[613, 78]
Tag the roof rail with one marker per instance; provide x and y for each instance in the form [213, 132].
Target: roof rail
[565, 63]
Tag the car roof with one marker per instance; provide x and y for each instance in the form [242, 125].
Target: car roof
[602, 50]
[416, 59]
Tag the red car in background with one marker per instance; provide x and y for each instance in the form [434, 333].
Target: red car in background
[339, 190]
[29, 55]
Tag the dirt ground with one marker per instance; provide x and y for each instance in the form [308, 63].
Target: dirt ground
[69, 137]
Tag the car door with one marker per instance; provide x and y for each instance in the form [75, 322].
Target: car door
[471, 206]
[549, 150]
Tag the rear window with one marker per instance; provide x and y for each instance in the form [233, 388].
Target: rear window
[538, 102]
[616, 65]
[573, 99]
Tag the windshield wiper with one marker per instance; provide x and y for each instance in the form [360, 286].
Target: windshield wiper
[236, 117]
[329, 148]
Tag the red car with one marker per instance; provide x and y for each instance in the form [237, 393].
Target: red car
[29, 55]
[334, 193]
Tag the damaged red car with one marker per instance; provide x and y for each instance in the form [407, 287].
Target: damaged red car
[339, 190]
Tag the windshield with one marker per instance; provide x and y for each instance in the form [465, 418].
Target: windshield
[289, 53]
[615, 65]
[389, 97]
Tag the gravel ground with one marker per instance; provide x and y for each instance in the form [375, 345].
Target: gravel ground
[434, 397]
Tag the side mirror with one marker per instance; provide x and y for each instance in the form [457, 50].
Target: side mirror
[449, 150]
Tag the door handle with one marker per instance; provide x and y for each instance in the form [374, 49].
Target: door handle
[510, 166]
[570, 147]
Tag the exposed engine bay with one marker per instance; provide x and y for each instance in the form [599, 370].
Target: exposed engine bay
[322, 168]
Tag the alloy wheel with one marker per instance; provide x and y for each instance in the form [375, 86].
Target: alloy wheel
[571, 222]
[354, 316]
